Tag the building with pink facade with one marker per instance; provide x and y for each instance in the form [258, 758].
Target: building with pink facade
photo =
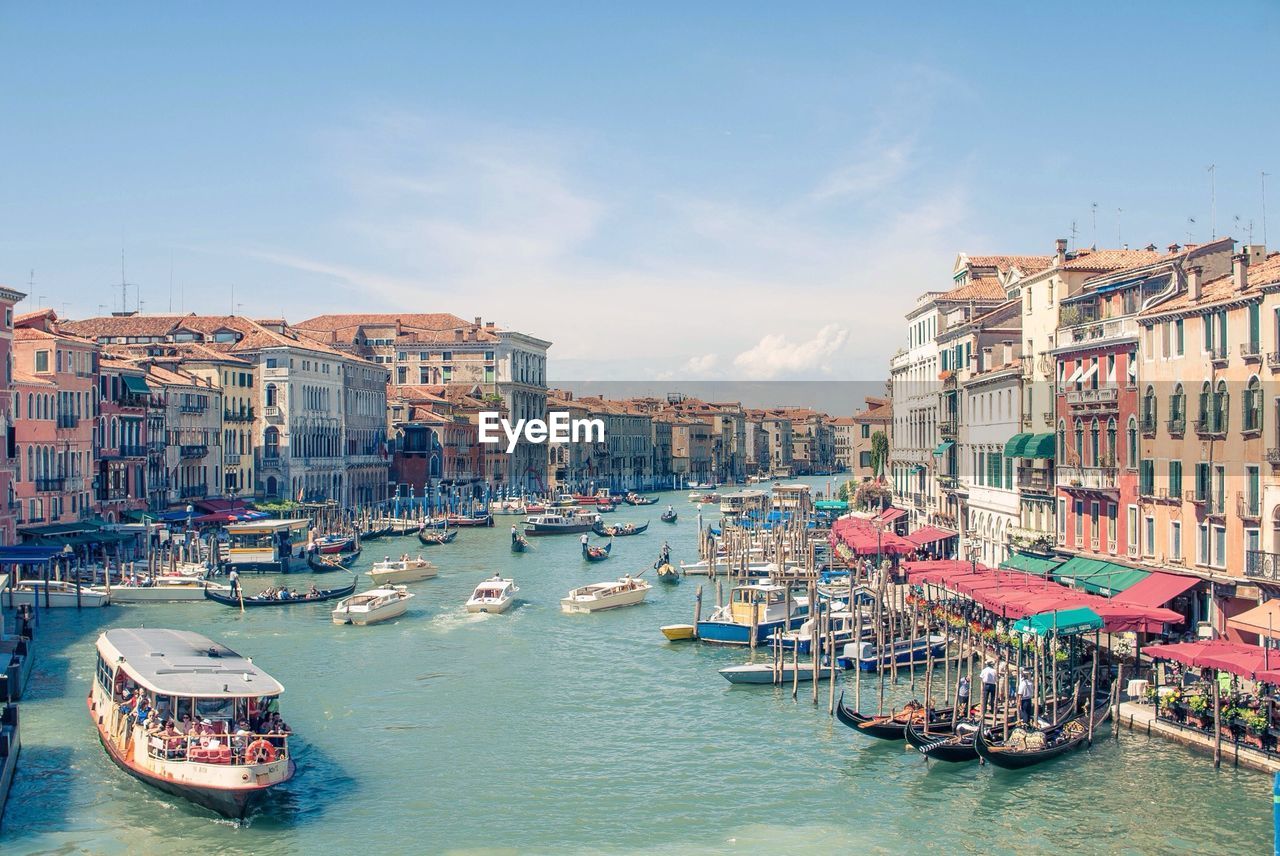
[8, 498]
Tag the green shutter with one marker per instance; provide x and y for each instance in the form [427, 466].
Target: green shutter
[1255, 324]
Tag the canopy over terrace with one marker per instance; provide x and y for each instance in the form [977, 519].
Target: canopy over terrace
[1011, 594]
[929, 535]
[1245, 661]
[861, 538]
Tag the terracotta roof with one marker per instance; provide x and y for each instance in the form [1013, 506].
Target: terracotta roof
[19, 376]
[415, 320]
[982, 288]
[1222, 289]
[183, 351]
[848, 421]
[1026, 264]
[1109, 260]
[253, 335]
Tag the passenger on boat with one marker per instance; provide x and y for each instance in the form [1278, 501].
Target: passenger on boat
[186, 726]
[313, 592]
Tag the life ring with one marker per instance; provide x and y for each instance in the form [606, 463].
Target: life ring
[260, 752]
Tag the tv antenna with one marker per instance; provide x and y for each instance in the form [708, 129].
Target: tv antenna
[123, 285]
[1213, 201]
[1074, 232]
[1264, 206]
[1119, 211]
[1094, 210]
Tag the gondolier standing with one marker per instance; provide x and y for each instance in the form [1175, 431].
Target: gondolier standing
[988, 678]
[515, 536]
[962, 696]
[584, 540]
[233, 579]
[1024, 697]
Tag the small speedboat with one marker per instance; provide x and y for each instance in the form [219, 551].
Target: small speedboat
[53, 593]
[765, 673]
[391, 571]
[161, 589]
[372, 606]
[865, 656]
[678, 632]
[493, 595]
[625, 591]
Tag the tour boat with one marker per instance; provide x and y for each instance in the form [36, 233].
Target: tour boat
[265, 545]
[761, 605]
[372, 606]
[391, 571]
[553, 523]
[865, 656]
[53, 593]
[493, 595]
[625, 591]
[161, 589]
[177, 673]
[765, 673]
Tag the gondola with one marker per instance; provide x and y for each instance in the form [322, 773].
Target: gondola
[891, 727]
[375, 534]
[519, 544]
[596, 554]
[430, 538]
[1059, 740]
[669, 517]
[469, 520]
[321, 564]
[668, 574]
[618, 531]
[325, 594]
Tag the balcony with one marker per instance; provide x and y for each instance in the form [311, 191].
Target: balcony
[1088, 478]
[1251, 351]
[1147, 424]
[1263, 566]
[1213, 425]
[271, 411]
[192, 491]
[48, 485]
[947, 429]
[67, 420]
[192, 451]
[133, 451]
[270, 460]
[1273, 360]
[1195, 497]
[231, 459]
[237, 416]
[275, 371]
[1036, 481]
[1273, 456]
[1218, 355]
[1247, 508]
[1177, 425]
[917, 499]
[948, 482]
[1100, 331]
[192, 408]
[1102, 396]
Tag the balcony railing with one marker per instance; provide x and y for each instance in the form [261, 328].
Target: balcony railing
[231, 459]
[238, 416]
[133, 451]
[192, 408]
[1093, 331]
[1251, 350]
[1273, 359]
[1249, 508]
[1218, 355]
[1091, 478]
[1260, 565]
[44, 485]
[948, 482]
[1273, 456]
[1215, 424]
[193, 451]
[271, 411]
[1035, 482]
[1177, 425]
[1101, 395]
[947, 428]
[1147, 424]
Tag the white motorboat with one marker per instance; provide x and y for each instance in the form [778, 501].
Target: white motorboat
[372, 606]
[493, 595]
[394, 571]
[54, 593]
[625, 591]
[554, 523]
[765, 673]
[162, 590]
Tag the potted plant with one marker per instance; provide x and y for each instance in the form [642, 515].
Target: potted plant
[1197, 706]
[1255, 727]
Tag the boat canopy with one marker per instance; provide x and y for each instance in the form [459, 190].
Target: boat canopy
[183, 663]
[1063, 622]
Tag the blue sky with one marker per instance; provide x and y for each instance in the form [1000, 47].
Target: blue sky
[679, 191]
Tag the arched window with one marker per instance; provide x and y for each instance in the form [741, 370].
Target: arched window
[1079, 443]
[1094, 452]
[1252, 406]
[271, 395]
[31, 414]
[1206, 394]
[1221, 408]
[1149, 410]
[1177, 410]
[271, 442]
[1113, 452]
[1131, 453]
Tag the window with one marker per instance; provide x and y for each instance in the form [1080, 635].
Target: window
[1079, 522]
[1179, 338]
[1095, 532]
[1175, 540]
[864, 460]
[1062, 521]
[42, 361]
[1131, 525]
[1062, 440]
[866, 431]
[1252, 406]
[1148, 536]
[1175, 479]
[1146, 478]
[1094, 453]
[1149, 410]
[1177, 410]
[1252, 492]
[1131, 439]
[1254, 344]
[271, 442]
[1079, 442]
[1219, 546]
[1202, 481]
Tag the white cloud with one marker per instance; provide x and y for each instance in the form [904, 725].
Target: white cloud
[774, 355]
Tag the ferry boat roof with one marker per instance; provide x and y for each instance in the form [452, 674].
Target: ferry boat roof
[266, 525]
[183, 663]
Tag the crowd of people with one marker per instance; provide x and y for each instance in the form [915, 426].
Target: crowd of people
[176, 738]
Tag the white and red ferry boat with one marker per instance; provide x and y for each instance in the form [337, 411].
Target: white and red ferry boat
[190, 716]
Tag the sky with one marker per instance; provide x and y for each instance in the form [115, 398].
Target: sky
[711, 191]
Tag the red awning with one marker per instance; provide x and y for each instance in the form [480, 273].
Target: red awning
[1263, 619]
[859, 536]
[1157, 589]
[1246, 661]
[929, 535]
[890, 514]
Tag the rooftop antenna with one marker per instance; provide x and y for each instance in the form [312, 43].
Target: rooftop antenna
[124, 285]
[1094, 209]
[171, 282]
[1074, 231]
[1191, 221]
[1264, 206]
[1213, 201]
[1119, 211]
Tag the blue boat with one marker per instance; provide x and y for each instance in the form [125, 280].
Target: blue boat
[843, 626]
[767, 603]
[865, 656]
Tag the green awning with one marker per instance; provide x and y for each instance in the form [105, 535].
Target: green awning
[136, 384]
[916, 468]
[1042, 446]
[1098, 576]
[942, 448]
[1064, 622]
[1038, 565]
[831, 505]
[1013, 448]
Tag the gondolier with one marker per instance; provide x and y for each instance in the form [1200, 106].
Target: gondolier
[233, 579]
[962, 695]
[1024, 696]
[988, 678]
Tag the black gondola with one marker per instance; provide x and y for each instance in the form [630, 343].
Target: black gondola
[323, 564]
[668, 574]
[634, 499]
[891, 727]
[669, 517]
[596, 554]
[430, 538]
[325, 594]
[618, 531]
[375, 534]
[519, 544]
[1059, 740]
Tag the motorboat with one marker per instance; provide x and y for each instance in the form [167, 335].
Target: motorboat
[373, 606]
[236, 757]
[866, 657]
[556, 523]
[760, 607]
[625, 591]
[404, 570]
[722, 565]
[335, 543]
[161, 589]
[679, 632]
[493, 595]
[52, 594]
[841, 627]
[767, 673]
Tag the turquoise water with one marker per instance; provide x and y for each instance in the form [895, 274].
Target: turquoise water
[540, 732]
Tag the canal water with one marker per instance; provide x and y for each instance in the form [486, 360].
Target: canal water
[537, 732]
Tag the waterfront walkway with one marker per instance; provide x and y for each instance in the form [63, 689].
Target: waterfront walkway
[1142, 717]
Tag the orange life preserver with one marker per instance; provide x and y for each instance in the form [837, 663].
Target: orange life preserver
[260, 752]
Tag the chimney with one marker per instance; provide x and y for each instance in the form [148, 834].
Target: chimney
[1173, 248]
[1193, 283]
[1240, 271]
[1257, 253]
[477, 320]
[1061, 251]
[457, 334]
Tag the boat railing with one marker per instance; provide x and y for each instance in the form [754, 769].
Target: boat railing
[236, 750]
